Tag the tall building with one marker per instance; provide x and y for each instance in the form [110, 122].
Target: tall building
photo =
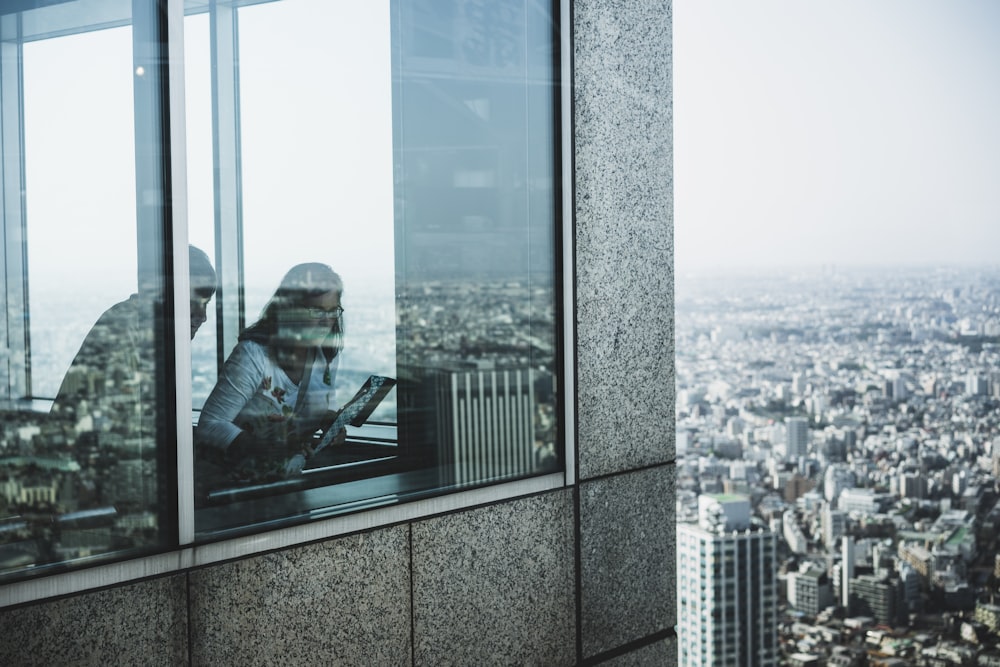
[726, 587]
[900, 392]
[846, 570]
[912, 485]
[837, 478]
[797, 437]
[976, 385]
[834, 523]
[810, 590]
[479, 423]
[879, 597]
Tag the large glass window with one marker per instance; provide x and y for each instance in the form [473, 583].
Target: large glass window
[371, 199]
[86, 419]
[409, 148]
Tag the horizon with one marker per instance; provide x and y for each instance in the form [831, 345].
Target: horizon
[830, 268]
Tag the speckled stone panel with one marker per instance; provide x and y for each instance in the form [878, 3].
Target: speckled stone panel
[660, 654]
[627, 558]
[341, 602]
[139, 624]
[495, 585]
[624, 233]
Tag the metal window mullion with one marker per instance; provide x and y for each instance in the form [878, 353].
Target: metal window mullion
[15, 377]
[177, 115]
[566, 221]
[227, 174]
[161, 233]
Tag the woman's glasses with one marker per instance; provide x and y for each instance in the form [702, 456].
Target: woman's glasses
[324, 314]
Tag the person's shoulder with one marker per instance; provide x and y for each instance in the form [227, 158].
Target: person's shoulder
[248, 362]
[123, 310]
[251, 352]
[250, 347]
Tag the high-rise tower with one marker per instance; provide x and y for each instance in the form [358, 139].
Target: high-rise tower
[475, 424]
[726, 587]
[797, 437]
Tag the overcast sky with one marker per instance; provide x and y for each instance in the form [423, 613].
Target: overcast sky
[847, 132]
[316, 121]
[820, 132]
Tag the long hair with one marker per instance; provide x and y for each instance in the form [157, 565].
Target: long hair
[303, 281]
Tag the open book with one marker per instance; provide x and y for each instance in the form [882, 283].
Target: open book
[357, 410]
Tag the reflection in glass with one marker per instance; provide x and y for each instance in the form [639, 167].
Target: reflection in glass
[277, 387]
[406, 145]
[474, 237]
[198, 165]
[413, 151]
[83, 426]
[303, 174]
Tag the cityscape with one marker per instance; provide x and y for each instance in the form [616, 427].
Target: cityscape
[838, 457]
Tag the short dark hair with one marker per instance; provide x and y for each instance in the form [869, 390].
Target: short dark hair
[200, 269]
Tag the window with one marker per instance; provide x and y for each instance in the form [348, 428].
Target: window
[87, 415]
[372, 202]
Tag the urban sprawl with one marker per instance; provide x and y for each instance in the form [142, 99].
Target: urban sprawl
[857, 412]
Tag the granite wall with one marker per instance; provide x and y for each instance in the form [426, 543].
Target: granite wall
[582, 575]
[623, 144]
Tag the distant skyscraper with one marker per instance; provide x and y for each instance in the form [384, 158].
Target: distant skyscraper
[976, 385]
[887, 389]
[834, 524]
[850, 439]
[798, 384]
[912, 485]
[796, 437]
[846, 571]
[727, 587]
[837, 478]
[899, 389]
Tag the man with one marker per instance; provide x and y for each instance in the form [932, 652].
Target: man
[109, 384]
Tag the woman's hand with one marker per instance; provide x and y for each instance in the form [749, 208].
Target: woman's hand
[340, 438]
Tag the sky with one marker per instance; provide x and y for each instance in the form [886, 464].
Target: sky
[821, 132]
[316, 148]
[317, 168]
[848, 132]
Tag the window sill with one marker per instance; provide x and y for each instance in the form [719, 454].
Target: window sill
[112, 574]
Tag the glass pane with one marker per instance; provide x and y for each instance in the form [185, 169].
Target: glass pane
[408, 147]
[200, 211]
[83, 429]
[475, 232]
[69, 206]
[317, 164]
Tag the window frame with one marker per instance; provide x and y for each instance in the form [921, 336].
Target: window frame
[166, 20]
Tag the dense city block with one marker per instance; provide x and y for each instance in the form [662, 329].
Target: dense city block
[857, 412]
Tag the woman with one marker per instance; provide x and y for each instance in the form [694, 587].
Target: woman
[277, 386]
